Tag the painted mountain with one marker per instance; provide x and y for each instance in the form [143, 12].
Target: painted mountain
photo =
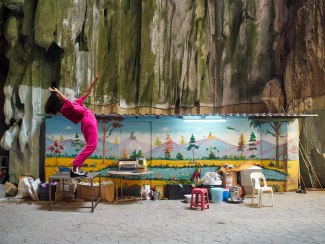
[206, 146]
[270, 153]
[220, 148]
[99, 150]
[159, 152]
[128, 146]
[69, 150]
[265, 150]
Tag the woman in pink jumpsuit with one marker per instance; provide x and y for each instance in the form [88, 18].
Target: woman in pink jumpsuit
[77, 112]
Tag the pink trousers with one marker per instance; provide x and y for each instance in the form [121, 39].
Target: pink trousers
[89, 129]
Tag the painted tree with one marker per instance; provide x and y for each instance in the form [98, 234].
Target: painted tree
[125, 153]
[182, 142]
[168, 146]
[192, 146]
[211, 136]
[108, 124]
[116, 141]
[77, 144]
[56, 149]
[211, 151]
[136, 154]
[252, 145]
[179, 156]
[275, 124]
[241, 144]
[284, 154]
[157, 142]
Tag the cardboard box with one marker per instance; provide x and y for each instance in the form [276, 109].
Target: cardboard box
[60, 196]
[229, 179]
[160, 189]
[108, 191]
[68, 187]
[85, 191]
[68, 181]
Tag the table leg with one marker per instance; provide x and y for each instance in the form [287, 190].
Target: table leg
[121, 185]
[50, 196]
[100, 186]
[141, 191]
[91, 194]
[63, 190]
[116, 190]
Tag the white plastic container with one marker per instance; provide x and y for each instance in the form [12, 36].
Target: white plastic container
[245, 179]
[187, 198]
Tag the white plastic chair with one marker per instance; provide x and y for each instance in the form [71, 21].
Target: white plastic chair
[256, 178]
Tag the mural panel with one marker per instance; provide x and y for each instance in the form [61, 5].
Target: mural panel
[175, 147]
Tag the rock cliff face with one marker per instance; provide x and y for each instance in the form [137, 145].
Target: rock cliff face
[162, 56]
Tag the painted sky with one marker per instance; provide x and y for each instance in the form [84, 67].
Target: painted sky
[141, 127]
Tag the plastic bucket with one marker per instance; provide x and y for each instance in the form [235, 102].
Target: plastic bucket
[225, 194]
[156, 196]
[216, 195]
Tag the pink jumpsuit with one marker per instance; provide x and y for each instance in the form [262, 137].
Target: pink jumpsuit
[76, 111]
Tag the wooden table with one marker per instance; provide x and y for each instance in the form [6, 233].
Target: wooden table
[121, 174]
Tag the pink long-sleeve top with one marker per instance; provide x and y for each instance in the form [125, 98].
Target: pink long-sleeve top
[74, 111]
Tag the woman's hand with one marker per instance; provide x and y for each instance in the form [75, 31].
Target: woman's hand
[60, 95]
[53, 89]
[96, 79]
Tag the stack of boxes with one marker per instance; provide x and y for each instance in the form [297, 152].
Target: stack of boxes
[85, 191]
[65, 190]
[229, 179]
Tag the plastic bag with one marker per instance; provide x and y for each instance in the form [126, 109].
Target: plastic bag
[211, 178]
[27, 187]
[146, 191]
[8, 137]
[10, 189]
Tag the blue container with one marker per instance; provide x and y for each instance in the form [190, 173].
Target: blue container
[225, 194]
[216, 194]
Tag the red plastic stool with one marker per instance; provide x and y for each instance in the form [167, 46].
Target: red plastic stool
[203, 202]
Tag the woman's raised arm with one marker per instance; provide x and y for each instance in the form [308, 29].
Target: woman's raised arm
[88, 90]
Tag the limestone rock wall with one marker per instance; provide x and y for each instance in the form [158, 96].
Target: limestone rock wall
[162, 56]
[301, 65]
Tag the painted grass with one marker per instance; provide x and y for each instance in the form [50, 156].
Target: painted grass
[94, 165]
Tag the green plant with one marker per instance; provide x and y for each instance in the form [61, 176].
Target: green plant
[172, 182]
[275, 188]
[186, 181]
[180, 182]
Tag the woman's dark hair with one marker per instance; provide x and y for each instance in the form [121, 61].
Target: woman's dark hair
[53, 104]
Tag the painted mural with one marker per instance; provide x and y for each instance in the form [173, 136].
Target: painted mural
[175, 147]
